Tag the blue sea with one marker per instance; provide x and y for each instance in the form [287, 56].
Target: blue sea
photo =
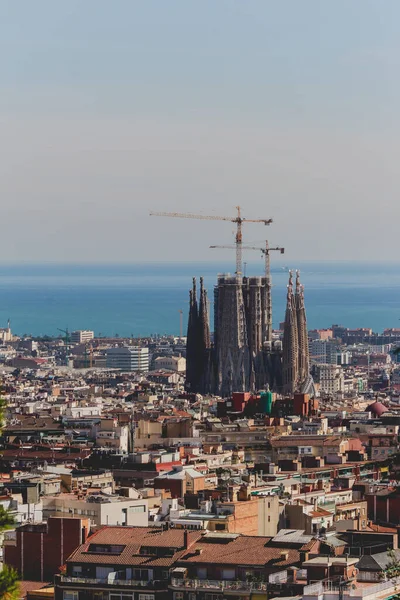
[141, 299]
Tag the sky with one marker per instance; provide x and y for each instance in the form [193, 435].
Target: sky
[287, 108]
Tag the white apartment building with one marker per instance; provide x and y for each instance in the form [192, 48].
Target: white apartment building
[128, 358]
[81, 336]
[112, 435]
[5, 334]
[318, 351]
[100, 508]
[171, 363]
[323, 352]
[331, 379]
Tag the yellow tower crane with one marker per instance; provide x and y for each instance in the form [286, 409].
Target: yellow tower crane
[265, 251]
[239, 220]
[180, 323]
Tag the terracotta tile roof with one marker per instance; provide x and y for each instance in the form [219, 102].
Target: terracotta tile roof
[12, 455]
[31, 422]
[244, 550]
[133, 538]
[320, 513]
[381, 529]
[299, 440]
[31, 586]
[203, 549]
[311, 545]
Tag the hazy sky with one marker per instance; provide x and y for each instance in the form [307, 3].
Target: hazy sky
[111, 108]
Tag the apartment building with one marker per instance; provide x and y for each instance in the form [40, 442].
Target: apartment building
[125, 563]
[81, 336]
[128, 358]
[99, 508]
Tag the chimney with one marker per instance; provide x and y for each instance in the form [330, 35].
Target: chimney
[186, 539]
[284, 555]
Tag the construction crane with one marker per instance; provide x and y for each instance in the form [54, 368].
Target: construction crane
[239, 220]
[67, 339]
[265, 251]
[90, 354]
[180, 323]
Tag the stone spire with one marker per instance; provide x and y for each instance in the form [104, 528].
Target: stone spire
[205, 338]
[290, 366]
[198, 344]
[192, 340]
[303, 348]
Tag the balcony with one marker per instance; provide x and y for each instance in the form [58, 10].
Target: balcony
[218, 585]
[109, 581]
[10, 538]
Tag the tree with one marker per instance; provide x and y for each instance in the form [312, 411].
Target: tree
[393, 567]
[9, 586]
[7, 521]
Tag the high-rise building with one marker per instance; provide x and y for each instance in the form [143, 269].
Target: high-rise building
[324, 352]
[296, 361]
[128, 358]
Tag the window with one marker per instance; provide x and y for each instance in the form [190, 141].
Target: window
[137, 509]
[178, 595]
[70, 595]
[146, 596]
[228, 574]
[121, 596]
[141, 574]
[106, 548]
[103, 572]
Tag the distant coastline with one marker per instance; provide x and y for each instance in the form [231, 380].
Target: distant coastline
[144, 298]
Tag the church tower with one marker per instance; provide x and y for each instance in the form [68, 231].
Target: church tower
[290, 359]
[304, 356]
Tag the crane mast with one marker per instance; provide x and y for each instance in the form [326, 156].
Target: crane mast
[239, 220]
[67, 339]
[266, 252]
[180, 323]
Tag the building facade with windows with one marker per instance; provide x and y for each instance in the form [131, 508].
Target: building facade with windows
[101, 509]
[81, 336]
[124, 563]
[128, 358]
